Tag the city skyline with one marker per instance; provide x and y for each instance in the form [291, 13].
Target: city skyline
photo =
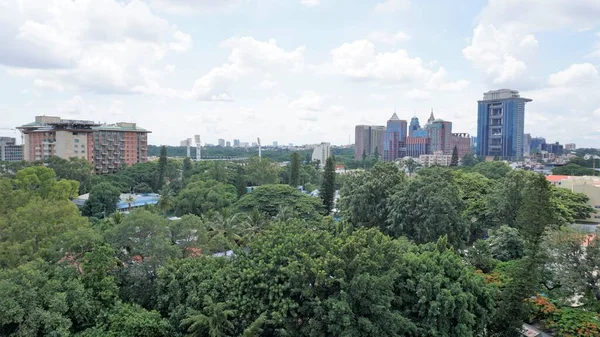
[298, 71]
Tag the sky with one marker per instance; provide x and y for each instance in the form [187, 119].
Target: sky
[298, 71]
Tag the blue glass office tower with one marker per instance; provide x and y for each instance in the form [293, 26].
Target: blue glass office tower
[413, 126]
[501, 124]
[395, 139]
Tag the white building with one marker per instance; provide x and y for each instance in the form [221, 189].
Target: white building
[221, 142]
[321, 153]
[437, 158]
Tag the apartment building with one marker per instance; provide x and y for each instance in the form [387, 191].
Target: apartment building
[9, 150]
[438, 158]
[106, 146]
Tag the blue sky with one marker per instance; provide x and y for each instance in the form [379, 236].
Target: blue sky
[298, 71]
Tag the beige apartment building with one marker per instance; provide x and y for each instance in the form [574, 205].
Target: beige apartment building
[106, 146]
[587, 185]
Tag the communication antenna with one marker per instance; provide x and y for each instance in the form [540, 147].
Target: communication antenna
[259, 149]
[198, 148]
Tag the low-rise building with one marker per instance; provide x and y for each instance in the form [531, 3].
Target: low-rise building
[438, 158]
[588, 185]
[9, 150]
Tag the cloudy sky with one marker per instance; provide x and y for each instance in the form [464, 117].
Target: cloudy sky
[298, 71]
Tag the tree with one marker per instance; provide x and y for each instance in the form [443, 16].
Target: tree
[573, 170]
[130, 199]
[240, 181]
[570, 206]
[261, 172]
[186, 170]
[492, 169]
[142, 188]
[166, 201]
[454, 160]
[200, 197]
[295, 169]
[143, 244]
[188, 232]
[327, 192]
[213, 320]
[36, 180]
[506, 244]
[411, 165]
[130, 320]
[364, 156]
[162, 167]
[302, 280]
[224, 230]
[270, 199]
[376, 153]
[102, 201]
[574, 257]
[78, 169]
[365, 195]
[475, 190]
[427, 208]
[469, 160]
[44, 229]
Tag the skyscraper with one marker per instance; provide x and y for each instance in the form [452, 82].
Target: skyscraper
[440, 133]
[414, 126]
[395, 139]
[368, 140]
[221, 142]
[501, 124]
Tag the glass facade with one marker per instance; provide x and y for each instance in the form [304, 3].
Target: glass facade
[500, 125]
[395, 139]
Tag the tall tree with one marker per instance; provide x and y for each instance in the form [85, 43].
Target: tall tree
[427, 208]
[327, 192]
[295, 169]
[376, 153]
[102, 201]
[186, 169]
[240, 181]
[454, 160]
[162, 167]
[364, 156]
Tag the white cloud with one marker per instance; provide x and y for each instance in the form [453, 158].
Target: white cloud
[193, 6]
[72, 106]
[378, 97]
[247, 56]
[576, 75]
[309, 100]
[358, 60]
[504, 39]
[310, 3]
[102, 46]
[417, 94]
[266, 84]
[389, 38]
[391, 6]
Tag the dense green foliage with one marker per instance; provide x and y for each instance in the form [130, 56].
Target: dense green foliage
[327, 191]
[462, 251]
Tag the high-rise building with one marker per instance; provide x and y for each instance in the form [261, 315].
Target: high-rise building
[227, 144]
[416, 146]
[236, 143]
[275, 144]
[535, 145]
[321, 153]
[526, 145]
[106, 147]
[395, 139]
[368, 140]
[570, 147]
[555, 148]
[221, 142]
[501, 124]
[413, 126]
[462, 142]
[9, 150]
[440, 133]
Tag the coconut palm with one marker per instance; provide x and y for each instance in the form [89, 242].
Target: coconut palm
[130, 199]
[213, 319]
[253, 225]
[222, 225]
[167, 200]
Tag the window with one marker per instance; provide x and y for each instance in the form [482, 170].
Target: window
[597, 206]
[76, 140]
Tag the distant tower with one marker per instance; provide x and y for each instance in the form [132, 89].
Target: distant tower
[414, 126]
[198, 148]
[431, 118]
[395, 139]
[259, 149]
[188, 144]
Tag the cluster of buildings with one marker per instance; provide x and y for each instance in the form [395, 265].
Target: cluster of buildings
[106, 146]
[433, 143]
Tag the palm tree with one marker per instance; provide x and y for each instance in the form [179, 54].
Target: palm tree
[253, 225]
[167, 200]
[129, 200]
[221, 224]
[213, 318]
